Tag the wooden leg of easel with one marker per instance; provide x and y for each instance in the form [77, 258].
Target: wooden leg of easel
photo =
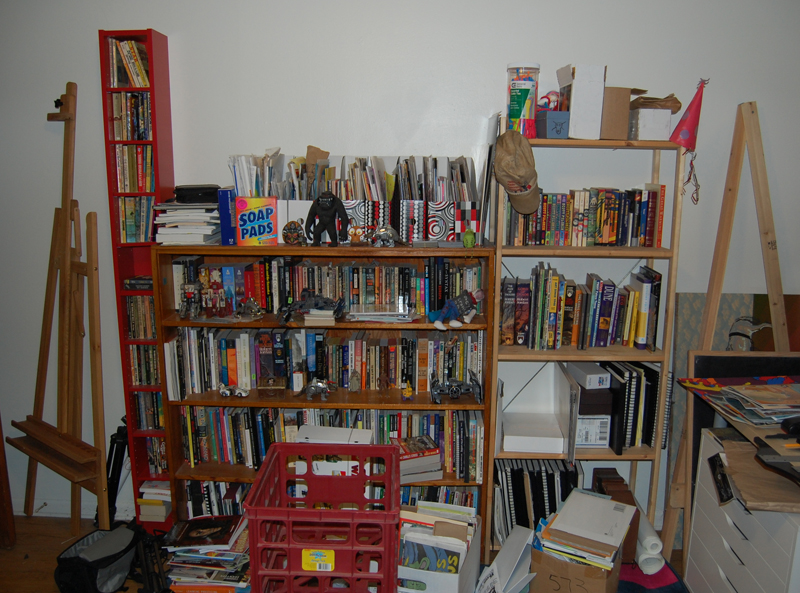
[674, 502]
[77, 334]
[8, 532]
[51, 288]
[95, 358]
[766, 226]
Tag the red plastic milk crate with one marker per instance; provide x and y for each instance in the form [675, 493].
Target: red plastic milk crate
[332, 536]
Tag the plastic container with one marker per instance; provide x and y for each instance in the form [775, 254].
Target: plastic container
[523, 91]
[311, 532]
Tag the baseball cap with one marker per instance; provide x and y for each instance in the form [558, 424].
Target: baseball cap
[513, 162]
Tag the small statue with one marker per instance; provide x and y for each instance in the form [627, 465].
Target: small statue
[461, 306]
[322, 217]
[384, 236]
[191, 301]
[293, 233]
[469, 238]
[355, 382]
[356, 233]
[229, 390]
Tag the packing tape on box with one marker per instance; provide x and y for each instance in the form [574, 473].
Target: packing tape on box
[648, 563]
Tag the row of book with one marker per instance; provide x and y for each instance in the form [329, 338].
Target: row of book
[149, 410]
[128, 63]
[131, 112]
[242, 436]
[156, 448]
[208, 498]
[549, 311]
[134, 165]
[275, 282]
[141, 317]
[198, 359]
[143, 359]
[458, 495]
[591, 217]
[635, 389]
[135, 217]
[529, 490]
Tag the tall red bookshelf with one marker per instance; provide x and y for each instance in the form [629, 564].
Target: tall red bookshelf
[134, 70]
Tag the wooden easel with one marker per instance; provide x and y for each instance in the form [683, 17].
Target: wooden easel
[61, 448]
[746, 134]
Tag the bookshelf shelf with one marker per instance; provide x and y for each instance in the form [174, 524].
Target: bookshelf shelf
[379, 406]
[149, 106]
[513, 355]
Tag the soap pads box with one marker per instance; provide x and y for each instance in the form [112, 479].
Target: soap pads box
[581, 89]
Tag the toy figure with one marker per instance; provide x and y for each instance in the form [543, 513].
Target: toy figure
[461, 306]
[293, 233]
[355, 232]
[469, 238]
[322, 217]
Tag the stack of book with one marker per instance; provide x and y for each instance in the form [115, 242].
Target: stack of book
[210, 553]
[589, 529]
[187, 224]
[155, 501]
[420, 459]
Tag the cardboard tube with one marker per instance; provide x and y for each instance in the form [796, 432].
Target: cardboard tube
[648, 538]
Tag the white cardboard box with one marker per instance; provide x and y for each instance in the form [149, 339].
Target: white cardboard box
[582, 87]
[649, 124]
[593, 431]
[463, 582]
[309, 433]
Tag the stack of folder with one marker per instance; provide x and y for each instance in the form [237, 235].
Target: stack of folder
[589, 529]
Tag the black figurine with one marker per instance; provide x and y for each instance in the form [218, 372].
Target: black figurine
[322, 217]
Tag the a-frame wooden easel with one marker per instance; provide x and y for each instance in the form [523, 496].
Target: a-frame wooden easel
[746, 134]
[61, 448]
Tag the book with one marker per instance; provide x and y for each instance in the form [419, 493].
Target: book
[508, 300]
[424, 476]
[206, 533]
[416, 447]
[642, 284]
[522, 312]
[256, 221]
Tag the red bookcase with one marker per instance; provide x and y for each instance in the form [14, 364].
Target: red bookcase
[134, 69]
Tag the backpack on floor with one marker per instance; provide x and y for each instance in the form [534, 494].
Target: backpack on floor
[98, 562]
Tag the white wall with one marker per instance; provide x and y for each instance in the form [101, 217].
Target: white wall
[364, 78]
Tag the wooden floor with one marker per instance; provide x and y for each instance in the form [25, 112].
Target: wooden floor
[28, 567]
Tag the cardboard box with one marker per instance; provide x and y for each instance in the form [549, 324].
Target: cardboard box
[595, 402]
[649, 124]
[309, 433]
[616, 112]
[463, 582]
[554, 575]
[553, 124]
[581, 90]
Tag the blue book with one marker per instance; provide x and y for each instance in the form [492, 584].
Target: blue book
[227, 215]
[607, 298]
[311, 352]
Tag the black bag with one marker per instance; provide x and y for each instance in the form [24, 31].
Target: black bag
[196, 194]
[98, 562]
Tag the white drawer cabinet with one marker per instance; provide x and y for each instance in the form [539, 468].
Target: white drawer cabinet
[732, 549]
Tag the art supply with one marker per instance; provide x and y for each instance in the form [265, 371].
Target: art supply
[523, 87]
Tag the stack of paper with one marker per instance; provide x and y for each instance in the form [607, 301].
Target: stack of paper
[589, 529]
[209, 551]
[187, 224]
[155, 501]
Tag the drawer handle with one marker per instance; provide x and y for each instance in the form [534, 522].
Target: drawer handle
[733, 525]
[726, 580]
[731, 551]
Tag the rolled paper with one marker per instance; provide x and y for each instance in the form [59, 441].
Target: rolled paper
[647, 536]
[648, 563]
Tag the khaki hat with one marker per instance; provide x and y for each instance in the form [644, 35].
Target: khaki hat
[514, 163]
